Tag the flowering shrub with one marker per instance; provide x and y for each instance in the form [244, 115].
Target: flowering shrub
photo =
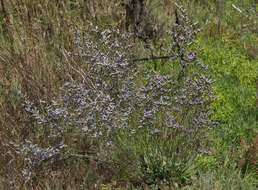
[117, 93]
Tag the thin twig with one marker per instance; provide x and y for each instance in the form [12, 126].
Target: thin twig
[170, 57]
[85, 157]
[237, 8]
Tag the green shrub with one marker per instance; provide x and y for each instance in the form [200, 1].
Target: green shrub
[235, 76]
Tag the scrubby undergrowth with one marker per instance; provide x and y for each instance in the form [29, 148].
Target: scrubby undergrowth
[92, 106]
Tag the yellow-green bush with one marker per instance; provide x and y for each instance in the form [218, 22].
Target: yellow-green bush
[235, 76]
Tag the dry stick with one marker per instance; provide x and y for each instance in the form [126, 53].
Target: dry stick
[238, 9]
[3, 7]
[85, 157]
[4, 13]
[170, 57]
[220, 14]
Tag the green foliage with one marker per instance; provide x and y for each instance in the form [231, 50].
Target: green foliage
[157, 160]
[234, 74]
[223, 179]
[206, 162]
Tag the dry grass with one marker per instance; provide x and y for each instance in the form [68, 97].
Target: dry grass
[35, 36]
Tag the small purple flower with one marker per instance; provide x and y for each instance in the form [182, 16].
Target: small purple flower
[148, 114]
[191, 56]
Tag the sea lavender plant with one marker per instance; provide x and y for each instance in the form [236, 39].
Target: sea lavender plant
[117, 93]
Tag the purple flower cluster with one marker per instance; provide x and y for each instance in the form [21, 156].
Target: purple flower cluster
[117, 93]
